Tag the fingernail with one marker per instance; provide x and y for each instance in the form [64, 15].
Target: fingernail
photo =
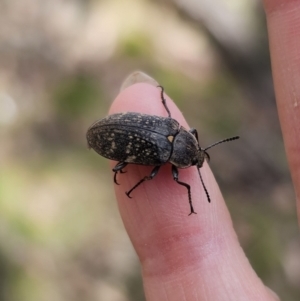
[138, 77]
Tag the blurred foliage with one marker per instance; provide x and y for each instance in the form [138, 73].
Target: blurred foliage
[136, 45]
[76, 97]
[61, 64]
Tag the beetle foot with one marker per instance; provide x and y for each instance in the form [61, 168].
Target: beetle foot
[192, 212]
[128, 194]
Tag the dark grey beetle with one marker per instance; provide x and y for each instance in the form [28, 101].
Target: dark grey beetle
[134, 138]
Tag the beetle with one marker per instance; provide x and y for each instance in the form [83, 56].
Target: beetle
[135, 138]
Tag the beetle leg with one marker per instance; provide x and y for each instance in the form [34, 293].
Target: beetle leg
[115, 178]
[164, 100]
[118, 168]
[194, 132]
[188, 187]
[147, 178]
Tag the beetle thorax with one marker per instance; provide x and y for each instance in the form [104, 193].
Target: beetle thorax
[186, 151]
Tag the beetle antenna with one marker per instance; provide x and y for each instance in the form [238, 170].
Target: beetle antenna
[206, 192]
[219, 142]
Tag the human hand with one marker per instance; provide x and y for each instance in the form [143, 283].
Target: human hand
[183, 258]
[283, 19]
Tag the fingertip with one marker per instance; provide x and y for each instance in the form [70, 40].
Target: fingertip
[170, 244]
[145, 98]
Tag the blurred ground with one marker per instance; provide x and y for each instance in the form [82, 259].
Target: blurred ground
[61, 65]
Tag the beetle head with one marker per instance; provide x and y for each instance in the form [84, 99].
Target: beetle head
[201, 156]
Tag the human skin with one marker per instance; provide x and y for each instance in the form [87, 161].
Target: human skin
[183, 257]
[283, 18]
[199, 257]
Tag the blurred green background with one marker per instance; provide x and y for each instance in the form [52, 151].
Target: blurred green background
[61, 65]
